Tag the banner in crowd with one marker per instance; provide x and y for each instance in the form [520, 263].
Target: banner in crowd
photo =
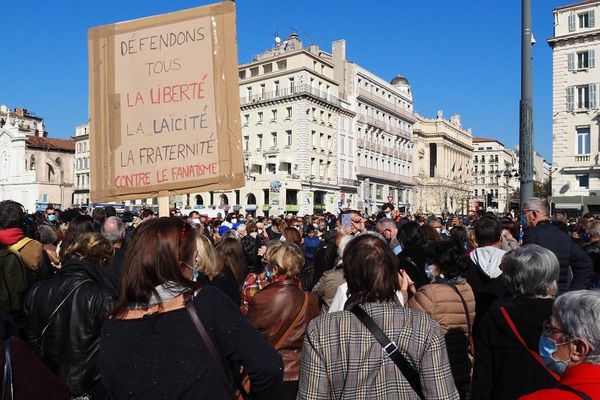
[164, 105]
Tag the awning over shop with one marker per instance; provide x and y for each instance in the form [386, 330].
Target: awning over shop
[566, 206]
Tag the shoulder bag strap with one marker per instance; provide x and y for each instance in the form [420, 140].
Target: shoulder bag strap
[533, 353]
[7, 378]
[16, 247]
[576, 392]
[56, 310]
[391, 349]
[210, 345]
[289, 329]
[466, 308]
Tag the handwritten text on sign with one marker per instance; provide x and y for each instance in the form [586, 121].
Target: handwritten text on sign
[164, 79]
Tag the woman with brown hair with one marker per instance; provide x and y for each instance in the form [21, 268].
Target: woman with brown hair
[281, 310]
[342, 359]
[152, 329]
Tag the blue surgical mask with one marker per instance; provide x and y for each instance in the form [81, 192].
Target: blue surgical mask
[52, 218]
[547, 348]
[195, 271]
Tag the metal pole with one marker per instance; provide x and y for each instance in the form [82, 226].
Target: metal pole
[526, 107]
[507, 205]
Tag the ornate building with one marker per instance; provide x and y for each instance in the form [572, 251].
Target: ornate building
[443, 165]
[34, 169]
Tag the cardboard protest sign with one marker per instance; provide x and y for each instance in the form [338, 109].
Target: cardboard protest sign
[164, 105]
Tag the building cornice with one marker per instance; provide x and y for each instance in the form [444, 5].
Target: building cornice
[574, 36]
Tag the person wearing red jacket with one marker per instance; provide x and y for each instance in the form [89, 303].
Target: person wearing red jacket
[570, 346]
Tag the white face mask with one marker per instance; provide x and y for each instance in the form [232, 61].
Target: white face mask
[234, 221]
[254, 234]
[196, 221]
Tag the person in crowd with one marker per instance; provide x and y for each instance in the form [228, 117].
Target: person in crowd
[310, 245]
[48, 237]
[570, 346]
[326, 255]
[276, 229]
[328, 284]
[50, 215]
[151, 328]
[412, 259]
[576, 267]
[436, 224]
[458, 234]
[484, 273]
[510, 233]
[206, 267]
[387, 228]
[592, 248]
[292, 235]
[21, 258]
[250, 245]
[430, 234]
[281, 311]
[449, 299]
[113, 229]
[241, 229]
[271, 273]
[194, 218]
[504, 365]
[110, 211]
[98, 215]
[228, 273]
[79, 225]
[341, 358]
[64, 315]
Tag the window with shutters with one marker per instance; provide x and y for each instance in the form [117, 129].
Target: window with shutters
[570, 98]
[586, 97]
[585, 60]
[583, 140]
[572, 18]
[586, 19]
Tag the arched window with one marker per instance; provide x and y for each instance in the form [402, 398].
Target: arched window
[32, 163]
[58, 161]
[251, 199]
[51, 173]
[199, 200]
[224, 200]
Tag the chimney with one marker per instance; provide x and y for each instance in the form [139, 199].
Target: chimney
[338, 51]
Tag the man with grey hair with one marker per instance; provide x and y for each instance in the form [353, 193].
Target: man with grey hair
[575, 265]
[114, 230]
[593, 250]
[389, 230]
[570, 346]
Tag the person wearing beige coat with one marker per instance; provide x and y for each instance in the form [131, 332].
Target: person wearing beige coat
[449, 299]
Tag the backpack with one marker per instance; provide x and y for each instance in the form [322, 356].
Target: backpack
[13, 277]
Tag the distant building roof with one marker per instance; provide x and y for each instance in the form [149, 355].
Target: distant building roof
[37, 142]
[579, 3]
[486, 140]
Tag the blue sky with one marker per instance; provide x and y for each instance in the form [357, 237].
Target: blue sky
[460, 56]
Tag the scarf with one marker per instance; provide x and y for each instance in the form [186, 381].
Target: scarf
[11, 236]
[164, 293]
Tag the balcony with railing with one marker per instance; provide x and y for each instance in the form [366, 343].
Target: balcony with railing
[582, 158]
[348, 182]
[298, 90]
[378, 124]
[407, 115]
[380, 148]
[376, 173]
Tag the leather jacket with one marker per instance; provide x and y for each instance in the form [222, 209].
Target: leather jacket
[272, 311]
[70, 344]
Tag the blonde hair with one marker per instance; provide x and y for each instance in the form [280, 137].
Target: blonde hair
[284, 258]
[92, 247]
[206, 256]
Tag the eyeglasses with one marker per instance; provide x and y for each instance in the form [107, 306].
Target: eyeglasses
[526, 211]
[549, 329]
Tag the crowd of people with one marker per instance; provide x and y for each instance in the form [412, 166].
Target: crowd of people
[347, 306]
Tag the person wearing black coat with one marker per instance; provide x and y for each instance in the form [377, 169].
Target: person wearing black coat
[504, 367]
[65, 315]
[575, 265]
[412, 257]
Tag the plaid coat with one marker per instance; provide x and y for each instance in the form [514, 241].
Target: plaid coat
[342, 360]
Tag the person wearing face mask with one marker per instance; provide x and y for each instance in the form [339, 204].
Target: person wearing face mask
[194, 218]
[576, 268]
[506, 366]
[570, 347]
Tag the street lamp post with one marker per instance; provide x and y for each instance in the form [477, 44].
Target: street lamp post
[508, 173]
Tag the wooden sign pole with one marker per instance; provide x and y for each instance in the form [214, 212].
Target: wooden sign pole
[163, 203]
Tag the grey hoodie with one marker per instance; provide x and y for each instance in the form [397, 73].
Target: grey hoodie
[488, 260]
